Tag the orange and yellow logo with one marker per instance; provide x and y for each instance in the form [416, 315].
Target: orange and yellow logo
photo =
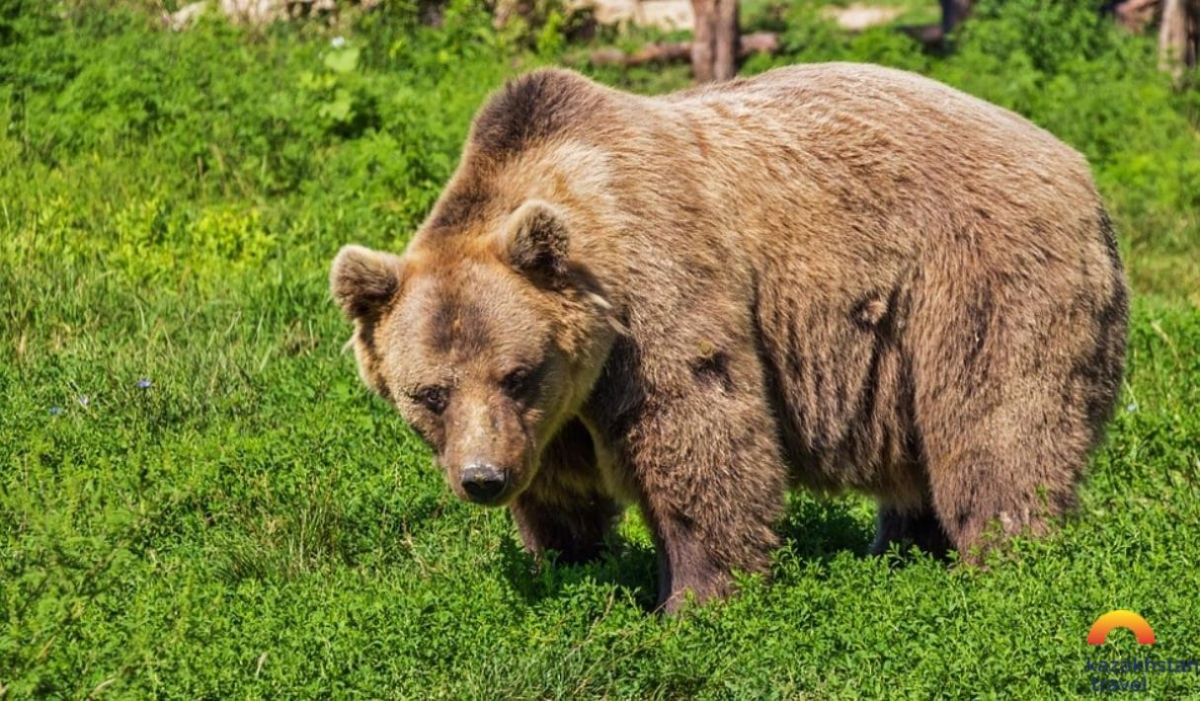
[1121, 618]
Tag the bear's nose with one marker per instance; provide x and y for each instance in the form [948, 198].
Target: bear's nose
[482, 482]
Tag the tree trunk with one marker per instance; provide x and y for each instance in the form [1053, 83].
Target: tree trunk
[715, 40]
[953, 13]
[1194, 32]
[1174, 45]
[704, 40]
[725, 60]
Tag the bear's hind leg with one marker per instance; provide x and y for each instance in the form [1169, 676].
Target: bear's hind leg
[1010, 382]
[1012, 471]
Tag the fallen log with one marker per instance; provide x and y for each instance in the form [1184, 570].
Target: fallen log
[1134, 15]
[661, 52]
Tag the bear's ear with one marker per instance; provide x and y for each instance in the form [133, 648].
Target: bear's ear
[535, 242]
[362, 280]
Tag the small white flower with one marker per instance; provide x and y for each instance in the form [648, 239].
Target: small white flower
[84, 400]
[337, 42]
[1131, 407]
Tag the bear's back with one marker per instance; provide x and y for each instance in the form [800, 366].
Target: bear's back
[903, 136]
[862, 161]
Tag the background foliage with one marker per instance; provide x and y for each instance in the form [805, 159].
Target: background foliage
[198, 499]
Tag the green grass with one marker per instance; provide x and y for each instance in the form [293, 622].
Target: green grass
[254, 525]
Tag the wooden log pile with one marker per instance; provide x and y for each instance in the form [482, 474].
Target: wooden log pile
[748, 45]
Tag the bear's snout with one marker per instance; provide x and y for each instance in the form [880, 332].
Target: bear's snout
[483, 483]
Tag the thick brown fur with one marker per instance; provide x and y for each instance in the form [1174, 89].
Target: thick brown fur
[836, 276]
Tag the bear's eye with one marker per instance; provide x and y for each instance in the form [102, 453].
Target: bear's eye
[518, 383]
[434, 399]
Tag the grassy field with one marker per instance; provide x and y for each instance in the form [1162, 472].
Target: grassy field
[199, 500]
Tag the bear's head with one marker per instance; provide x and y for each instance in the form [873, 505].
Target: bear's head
[485, 342]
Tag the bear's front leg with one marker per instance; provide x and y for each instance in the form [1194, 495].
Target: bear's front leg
[689, 565]
[566, 508]
[573, 525]
[710, 478]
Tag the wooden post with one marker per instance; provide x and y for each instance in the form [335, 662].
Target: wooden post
[715, 40]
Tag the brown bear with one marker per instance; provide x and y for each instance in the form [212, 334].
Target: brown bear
[837, 276]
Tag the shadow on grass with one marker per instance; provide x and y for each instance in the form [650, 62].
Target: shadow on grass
[811, 529]
[632, 567]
